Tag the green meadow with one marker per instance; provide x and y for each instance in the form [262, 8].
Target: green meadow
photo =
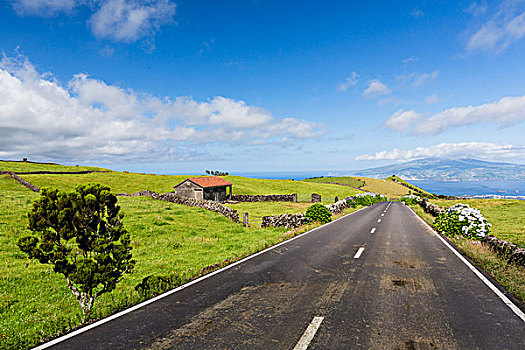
[168, 239]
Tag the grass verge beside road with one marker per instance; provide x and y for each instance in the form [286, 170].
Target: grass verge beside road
[507, 216]
[167, 239]
[510, 276]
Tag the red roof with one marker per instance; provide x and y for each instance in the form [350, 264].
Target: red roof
[209, 181]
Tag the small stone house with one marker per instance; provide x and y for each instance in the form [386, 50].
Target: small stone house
[209, 187]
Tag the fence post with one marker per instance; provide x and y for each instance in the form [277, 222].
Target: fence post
[294, 197]
[245, 219]
[336, 199]
[316, 198]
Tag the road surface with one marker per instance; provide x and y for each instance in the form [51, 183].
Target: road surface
[376, 279]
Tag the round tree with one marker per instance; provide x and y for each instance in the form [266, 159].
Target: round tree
[81, 235]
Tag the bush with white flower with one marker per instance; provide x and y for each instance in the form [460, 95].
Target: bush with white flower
[461, 219]
[411, 199]
[367, 198]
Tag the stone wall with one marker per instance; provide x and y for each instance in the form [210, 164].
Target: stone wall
[264, 198]
[285, 220]
[22, 181]
[512, 252]
[338, 206]
[431, 208]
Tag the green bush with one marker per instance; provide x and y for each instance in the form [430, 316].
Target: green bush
[318, 212]
[367, 198]
[461, 219]
[411, 199]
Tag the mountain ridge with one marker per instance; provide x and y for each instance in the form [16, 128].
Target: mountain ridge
[445, 169]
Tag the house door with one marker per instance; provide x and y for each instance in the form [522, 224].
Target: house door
[216, 196]
[198, 193]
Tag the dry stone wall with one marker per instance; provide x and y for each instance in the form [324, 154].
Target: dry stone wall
[285, 220]
[431, 208]
[511, 251]
[22, 181]
[264, 198]
[338, 206]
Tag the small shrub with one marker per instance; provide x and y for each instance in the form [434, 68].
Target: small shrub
[411, 199]
[318, 212]
[367, 198]
[461, 219]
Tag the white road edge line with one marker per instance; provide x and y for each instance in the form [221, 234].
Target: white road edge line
[373, 230]
[502, 296]
[161, 296]
[359, 252]
[309, 334]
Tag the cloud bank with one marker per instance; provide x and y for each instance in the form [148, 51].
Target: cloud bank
[505, 111]
[479, 150]
[89, 120]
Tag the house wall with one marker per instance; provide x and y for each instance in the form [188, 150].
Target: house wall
[187, 190]
[215, 193]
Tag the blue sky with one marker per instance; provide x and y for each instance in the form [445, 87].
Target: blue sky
[182, 86]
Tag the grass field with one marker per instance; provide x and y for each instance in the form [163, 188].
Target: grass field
[413, 187]
[510, 276]
[507, 216]
[167, 238]
[347, 180]
[28, 166]
[388, 188]
[121, 182]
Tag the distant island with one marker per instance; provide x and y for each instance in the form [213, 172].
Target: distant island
[439, 169]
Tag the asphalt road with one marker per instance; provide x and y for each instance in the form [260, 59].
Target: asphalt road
[404, 290]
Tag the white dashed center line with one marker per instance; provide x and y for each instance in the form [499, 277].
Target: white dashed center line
[378, 220]
[373, 230]
[382, 214]
[359, 252]
[309, 333]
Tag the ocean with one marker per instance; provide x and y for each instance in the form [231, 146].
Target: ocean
[473, 188]
[513, 189]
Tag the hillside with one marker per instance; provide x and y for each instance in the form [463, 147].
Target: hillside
[386, 187]
[465, 169]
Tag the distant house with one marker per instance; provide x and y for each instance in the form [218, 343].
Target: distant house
[210, 187]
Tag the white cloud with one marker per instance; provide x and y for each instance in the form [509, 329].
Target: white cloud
[408, 60]
[432, 99]
[350, 81]
[130, 20]
[44, 8]
[418, 79]
[401, 120]
[117, 20]
[500, 29]
[376, 88]
[505, 111]
[90, 120]
[479, 150]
